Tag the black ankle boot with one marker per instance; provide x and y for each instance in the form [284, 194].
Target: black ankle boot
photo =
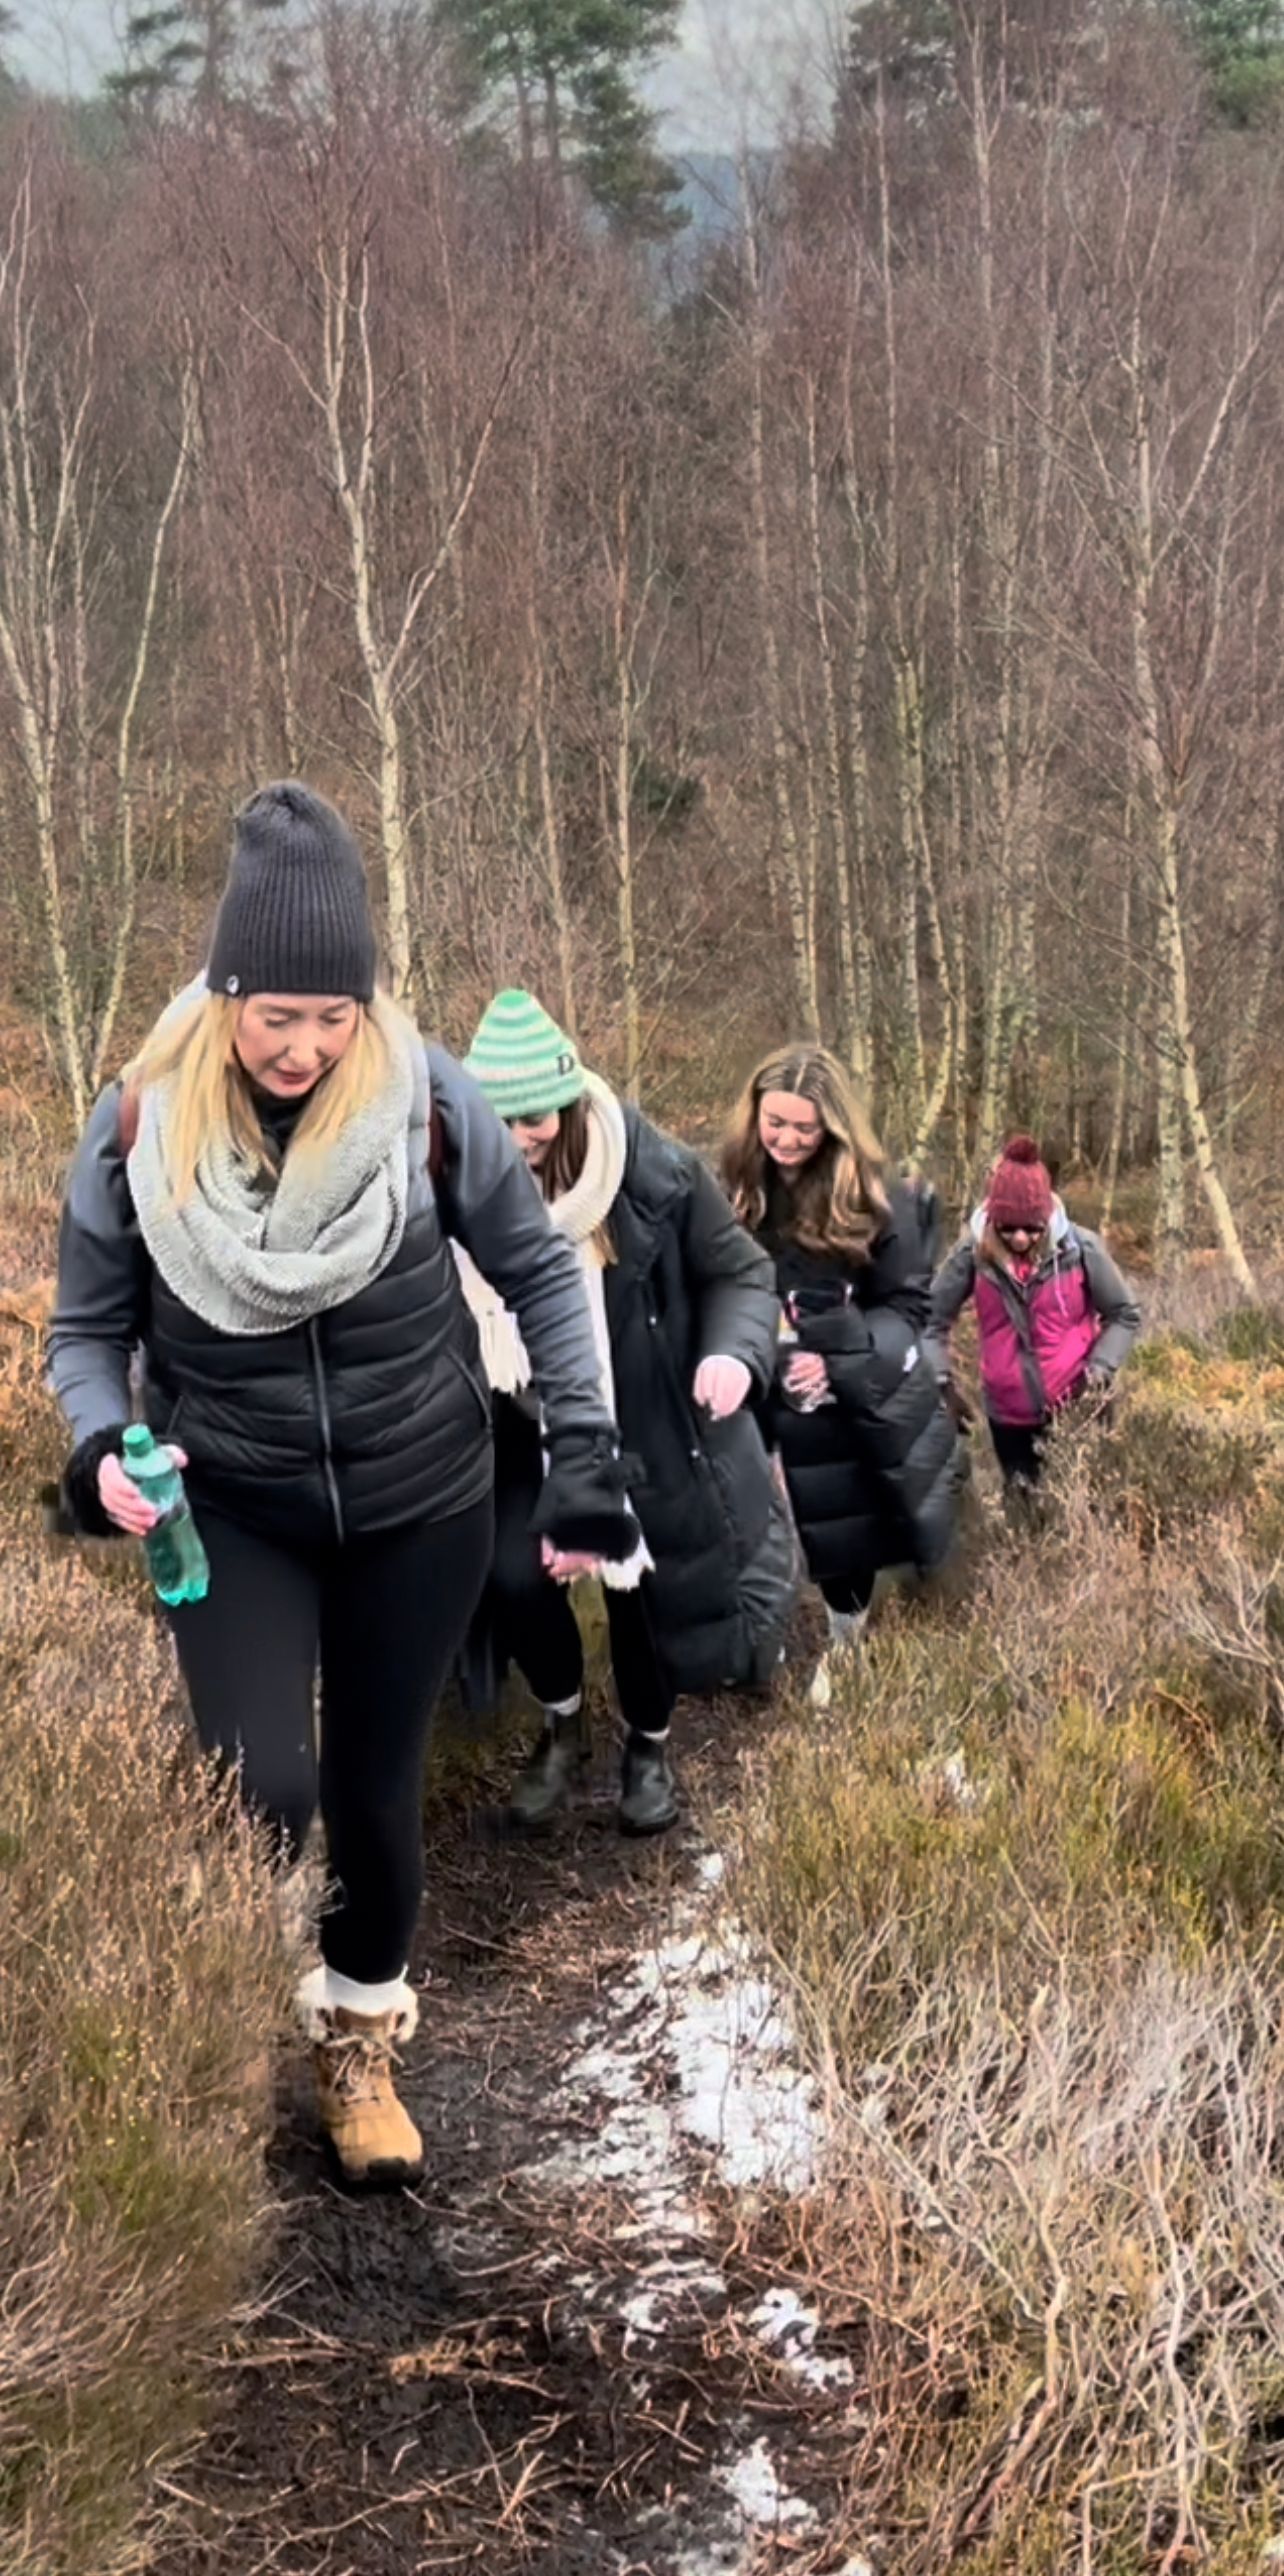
[546, 1781]
[649, 1803]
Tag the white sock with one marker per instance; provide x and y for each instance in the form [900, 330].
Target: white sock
[343, 1994]
[323, 1992]
[845, 1625]
[640, 1735]
[563, 1707]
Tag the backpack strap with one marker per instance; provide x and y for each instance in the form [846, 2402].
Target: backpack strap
[127, 1115]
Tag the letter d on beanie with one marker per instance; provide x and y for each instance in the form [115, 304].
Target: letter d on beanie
[295, 914]
[526, 1065]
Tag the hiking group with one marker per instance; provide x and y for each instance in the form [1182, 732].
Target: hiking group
[430, 1341]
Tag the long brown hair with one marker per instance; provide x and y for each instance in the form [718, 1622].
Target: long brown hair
[564, 1162]
[839, 1202]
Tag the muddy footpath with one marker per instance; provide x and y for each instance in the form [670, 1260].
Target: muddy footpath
[591, 2343]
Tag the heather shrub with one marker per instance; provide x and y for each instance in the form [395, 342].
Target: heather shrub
[1027, 1881]
[140, 1978]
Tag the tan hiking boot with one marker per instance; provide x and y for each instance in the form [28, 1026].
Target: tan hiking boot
[373, 2139]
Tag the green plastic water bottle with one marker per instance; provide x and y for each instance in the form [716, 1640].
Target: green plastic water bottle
[176, 1559]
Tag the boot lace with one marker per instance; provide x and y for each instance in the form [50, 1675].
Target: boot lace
[358, 2067]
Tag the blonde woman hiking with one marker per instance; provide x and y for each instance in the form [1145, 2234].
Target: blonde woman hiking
[262, 1213]
[868, 1452]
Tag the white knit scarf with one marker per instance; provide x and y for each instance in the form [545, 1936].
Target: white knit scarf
[250, 1251]
[577, 1214]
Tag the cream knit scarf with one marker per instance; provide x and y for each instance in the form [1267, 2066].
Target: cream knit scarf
[254, 1252]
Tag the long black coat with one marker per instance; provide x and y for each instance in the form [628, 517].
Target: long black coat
[689, 1284]
[873, 1478]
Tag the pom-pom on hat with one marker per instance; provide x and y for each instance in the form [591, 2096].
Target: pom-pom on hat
[1020, 1192]
[525, 1064]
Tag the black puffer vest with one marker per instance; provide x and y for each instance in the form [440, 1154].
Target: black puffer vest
[371, 1415]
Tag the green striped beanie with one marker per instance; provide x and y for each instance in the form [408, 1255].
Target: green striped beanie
[525, 1064]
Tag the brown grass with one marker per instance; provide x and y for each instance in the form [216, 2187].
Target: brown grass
[1029, 1884]
[139, 1980]
[140, 1977]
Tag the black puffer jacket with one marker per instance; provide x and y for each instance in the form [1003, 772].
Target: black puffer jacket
[873, 1477]
[367, 1416]
[688, 1284]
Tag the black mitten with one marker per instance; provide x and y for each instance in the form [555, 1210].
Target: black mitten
[583, 1505]
[82, 1503]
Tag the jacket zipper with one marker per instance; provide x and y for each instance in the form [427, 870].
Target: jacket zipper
[1018, 1305]
[323, 1410]
[684, 1415]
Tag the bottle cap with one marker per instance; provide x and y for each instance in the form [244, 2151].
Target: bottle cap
[137, 1441]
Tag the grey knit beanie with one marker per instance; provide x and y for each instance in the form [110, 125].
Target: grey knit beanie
[295, 914]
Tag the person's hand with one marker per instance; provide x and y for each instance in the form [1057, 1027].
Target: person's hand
[807, 1374]
[721, 1386]
[121, 1500]
[566, 1566]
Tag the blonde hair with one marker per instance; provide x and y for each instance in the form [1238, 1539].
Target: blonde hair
[839, 1202]
[212, 1099]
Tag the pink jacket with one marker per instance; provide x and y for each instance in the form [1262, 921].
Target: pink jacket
[1039, 1335]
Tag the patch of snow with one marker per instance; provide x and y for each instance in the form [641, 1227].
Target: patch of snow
[697, 2013]
[822, 2370]
[784, 2323]
[722, 2555]
[689, 2069]
[950, 1782]
[781, 2316]
[643, 2315]
[754, 2486]
[664, 2290]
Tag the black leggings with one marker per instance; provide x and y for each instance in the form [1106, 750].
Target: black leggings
[383, 1618]
[532, 1616]
[1020, 1449]
[849, 1593]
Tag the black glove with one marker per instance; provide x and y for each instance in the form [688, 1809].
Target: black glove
[80, 1502]
[583, 1505]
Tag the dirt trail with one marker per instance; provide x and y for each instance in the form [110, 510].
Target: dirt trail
[584, 2345]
